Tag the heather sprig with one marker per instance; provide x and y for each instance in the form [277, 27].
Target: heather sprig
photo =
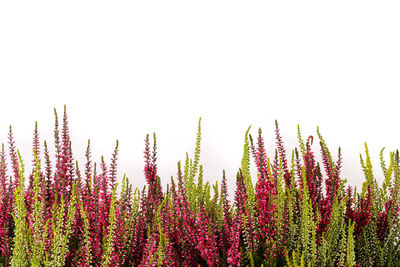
[86, 258]
[6, 204]
[62, 227]
[37, 221]
[21, 249]
[108, 249]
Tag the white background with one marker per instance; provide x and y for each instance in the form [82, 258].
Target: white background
[128, 68]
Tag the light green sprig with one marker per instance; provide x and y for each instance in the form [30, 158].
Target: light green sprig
[350, 250]
[21, 249]
[246, 169]
[193, 170]
[87, 244]
[62, 231]
[323, 144]
[109, 244]
[37, 219]
[301, 142]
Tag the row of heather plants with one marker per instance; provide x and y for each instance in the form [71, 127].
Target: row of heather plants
[299, 212]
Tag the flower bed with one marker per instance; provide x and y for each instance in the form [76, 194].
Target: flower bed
[300, 212]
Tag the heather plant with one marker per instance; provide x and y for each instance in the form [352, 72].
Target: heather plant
[299, 212]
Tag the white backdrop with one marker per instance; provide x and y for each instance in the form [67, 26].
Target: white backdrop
[127, 68]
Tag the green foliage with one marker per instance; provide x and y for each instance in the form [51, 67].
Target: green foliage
[163, 241]
[109, 244]
[61, 231]
[280, 209]
[307, 243]
[323, 144]
[331, 239]
[21, 251]
[246, 170]
[301, 142]
[196, 224]
[296, 260]
[38, 234]
[87, 244]
[350, 246]
[191, 168]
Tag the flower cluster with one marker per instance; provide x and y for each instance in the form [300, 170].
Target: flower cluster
[299, 212]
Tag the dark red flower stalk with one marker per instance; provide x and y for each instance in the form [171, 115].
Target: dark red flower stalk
[87, 191]
[225, 201]
[6, 220]
[172, 257]
[260, 156]
[313, 176]
[226, 239]
[186, 222]
[48, 181]
[57, 137]
[123, 230]
[65, 134]
[119, 239]
[57, 174]
[246, 225]
[183, 236]
[191, 253]
[350, 213]
[36, 146]
[36, 142]
[234, 252]
[282, 154]
[3, 173]
[149, 201]
[104, 200]
[150, 251]
[240, 195]
[328, 167]
[77, 235]
[363, 213]
[13, 158]
[78, 180]
[65, 171]
[338, 167]
[176, 233]
[150, 170]
[160, 247]
[206, 242]
[104, 181]
[275, 166]
[298, 169]
[48, 194]
[383, 221]
[325, 209]
[113, 167]
[71, 170]
[93, 210]
[265, 194]
[332, 182]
